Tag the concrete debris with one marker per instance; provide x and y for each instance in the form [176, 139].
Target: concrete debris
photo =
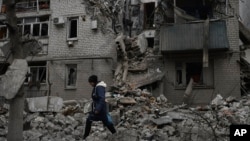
[144, 120]
[104, 11]
[13, 79]
[163, 120]
[42, 104]
[218, 100]
[135, 65]
[127, 101]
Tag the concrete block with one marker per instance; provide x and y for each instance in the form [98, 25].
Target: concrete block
[163, 120]
[13, 79]
[42, 104]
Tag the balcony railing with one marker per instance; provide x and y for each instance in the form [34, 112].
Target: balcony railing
[33, 5]
[183, 37]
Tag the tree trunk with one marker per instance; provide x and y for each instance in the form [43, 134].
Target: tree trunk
[15, 126]
[15, 123]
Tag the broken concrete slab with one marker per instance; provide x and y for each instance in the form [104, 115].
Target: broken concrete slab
[45, 104]
[13, 79]
[163, 120]
[145, 79]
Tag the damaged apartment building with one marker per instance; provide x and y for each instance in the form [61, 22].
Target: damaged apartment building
[195, 46]
[72, 48]
[188, 49]
[198, 45]
[200, 40]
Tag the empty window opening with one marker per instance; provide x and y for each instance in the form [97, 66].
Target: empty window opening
[194, 70]
[3, 32]
[150, 42]
[71, 75]
[179, 74]
[202, 77]
[73, 28]
[149, 15]
[201, 9]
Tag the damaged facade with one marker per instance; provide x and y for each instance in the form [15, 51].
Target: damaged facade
[203, 44]
[196, 44]
[166, 43]
[72, 50]
[153, 54]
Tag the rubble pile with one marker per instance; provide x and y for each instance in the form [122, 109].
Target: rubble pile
[137, 66]
[137, 117]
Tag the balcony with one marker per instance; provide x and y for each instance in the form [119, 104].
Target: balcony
[33, 5]
[190, 37]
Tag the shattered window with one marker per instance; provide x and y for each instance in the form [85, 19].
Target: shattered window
[194, 71]
[202, 77]
[149, 9]
[37, 26]
[37, 73]
[72, 28]
[71, 75]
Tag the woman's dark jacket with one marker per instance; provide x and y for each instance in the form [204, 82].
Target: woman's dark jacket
[98, 97]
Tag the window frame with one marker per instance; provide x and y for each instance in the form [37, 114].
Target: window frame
[69, 28]
[29, 79]
[23, 23]
[182, 67]
[68, 67]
